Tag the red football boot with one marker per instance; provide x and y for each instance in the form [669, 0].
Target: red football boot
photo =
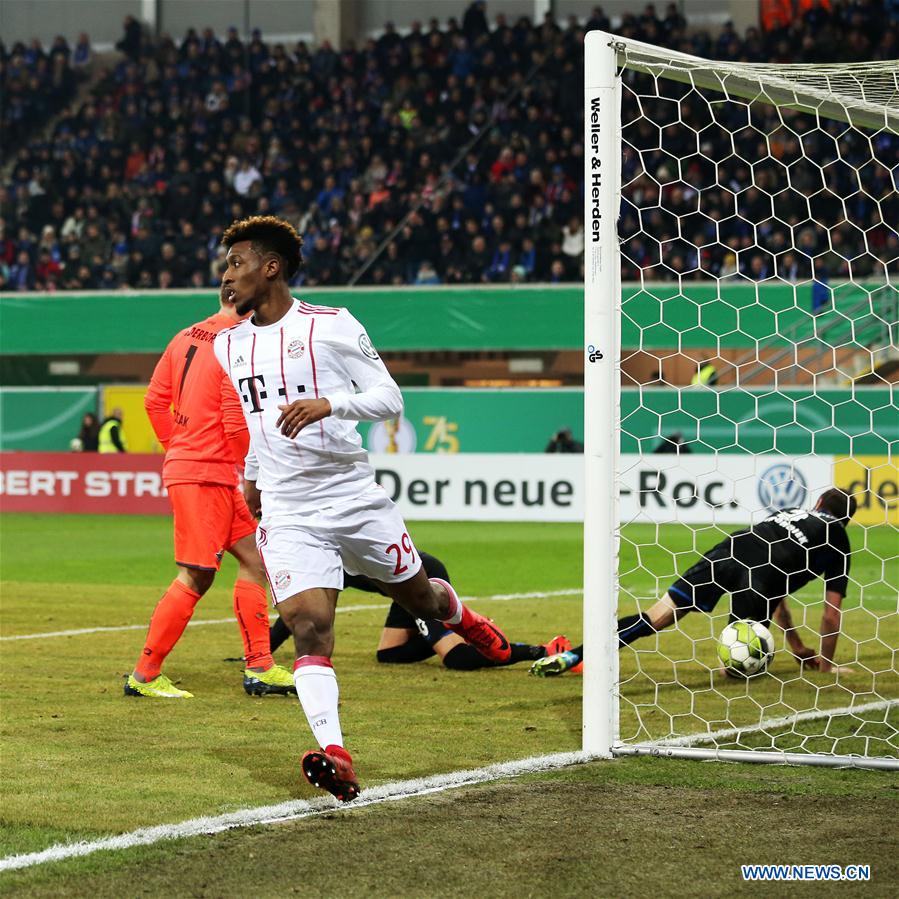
[557, 645]
[562, 644]
[331, 769]
[479, 631]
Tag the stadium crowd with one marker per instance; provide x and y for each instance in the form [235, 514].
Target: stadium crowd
[135, 185]
[36, 84]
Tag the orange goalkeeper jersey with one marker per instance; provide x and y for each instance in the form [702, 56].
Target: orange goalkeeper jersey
[195, 411]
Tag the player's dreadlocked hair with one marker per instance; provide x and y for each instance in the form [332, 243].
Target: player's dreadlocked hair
[268, 234]
[838, 503]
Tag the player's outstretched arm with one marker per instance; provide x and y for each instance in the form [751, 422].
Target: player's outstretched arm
[784, 619]
[831, 621]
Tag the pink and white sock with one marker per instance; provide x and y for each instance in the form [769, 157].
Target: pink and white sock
[455, 616]
[318, 694]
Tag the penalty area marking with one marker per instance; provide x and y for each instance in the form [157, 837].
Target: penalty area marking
[295, 810]
[496, 597]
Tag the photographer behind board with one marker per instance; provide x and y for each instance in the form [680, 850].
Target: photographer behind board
[563, 442]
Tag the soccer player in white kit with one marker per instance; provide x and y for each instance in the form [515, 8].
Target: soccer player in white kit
[305, 375]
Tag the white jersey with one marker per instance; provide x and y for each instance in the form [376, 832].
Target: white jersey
[312, 352]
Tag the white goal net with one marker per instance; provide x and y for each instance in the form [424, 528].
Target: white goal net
[741, 358]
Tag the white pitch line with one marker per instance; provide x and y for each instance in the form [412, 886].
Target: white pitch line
[539, 594]
[139, 627]
[496, 597]
[294, 810]
[97, 630]
[773, 723]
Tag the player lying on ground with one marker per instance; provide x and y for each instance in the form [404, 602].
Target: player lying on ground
[306, 375]
[758, 566]
[197, 418]
[405, 639]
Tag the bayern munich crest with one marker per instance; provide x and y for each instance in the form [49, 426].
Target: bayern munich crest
[282, 579]
[782, 486]
[295, 349]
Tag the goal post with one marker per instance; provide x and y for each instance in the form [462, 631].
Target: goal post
[602, 298]
[751, 211]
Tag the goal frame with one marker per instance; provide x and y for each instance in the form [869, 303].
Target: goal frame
[603, 52]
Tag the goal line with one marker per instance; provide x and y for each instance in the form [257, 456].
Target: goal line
[294, 810]
[686, 746]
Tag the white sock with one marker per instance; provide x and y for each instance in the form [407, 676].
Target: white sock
[318, 693]
[455, 615]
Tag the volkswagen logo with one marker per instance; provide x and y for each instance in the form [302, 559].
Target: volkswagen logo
[782, 486]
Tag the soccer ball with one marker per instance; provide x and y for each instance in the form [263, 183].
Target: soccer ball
[745, 648]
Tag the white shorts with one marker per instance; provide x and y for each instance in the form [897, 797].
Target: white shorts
[365, 536]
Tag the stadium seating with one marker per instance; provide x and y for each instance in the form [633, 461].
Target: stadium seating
[352, 144]
[35, 84]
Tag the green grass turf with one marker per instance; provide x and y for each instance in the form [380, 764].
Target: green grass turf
[79, 760]
[636, 828]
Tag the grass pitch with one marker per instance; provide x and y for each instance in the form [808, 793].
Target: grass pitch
[79, 760]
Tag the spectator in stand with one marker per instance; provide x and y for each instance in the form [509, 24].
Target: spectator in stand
[47, 271]
[598, 20]
[132, 40]
[247, 178]
[673, 21]
[7, 245]
[557, 272]
[21, 273]
[527, 258]
[427, 275]
[573, 238]
[474, 22]
[503, 166]
[500, 268]
[365, 134]
[477, 261]
[83, 53]
[34, 86]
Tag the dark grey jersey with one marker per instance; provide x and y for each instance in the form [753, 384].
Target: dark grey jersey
[795, 546]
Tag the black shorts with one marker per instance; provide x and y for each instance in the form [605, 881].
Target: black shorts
[718, 572]
[431, 629]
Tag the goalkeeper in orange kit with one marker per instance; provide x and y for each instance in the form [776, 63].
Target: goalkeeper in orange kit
[198, 419]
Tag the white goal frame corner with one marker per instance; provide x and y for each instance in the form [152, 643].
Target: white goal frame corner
[826, 91]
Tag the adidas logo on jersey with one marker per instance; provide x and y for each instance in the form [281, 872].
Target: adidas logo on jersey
[239, 361]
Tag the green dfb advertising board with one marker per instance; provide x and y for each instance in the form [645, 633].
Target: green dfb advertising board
[525, 317]
[520, 318]
[793, 422]
[43, 419]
